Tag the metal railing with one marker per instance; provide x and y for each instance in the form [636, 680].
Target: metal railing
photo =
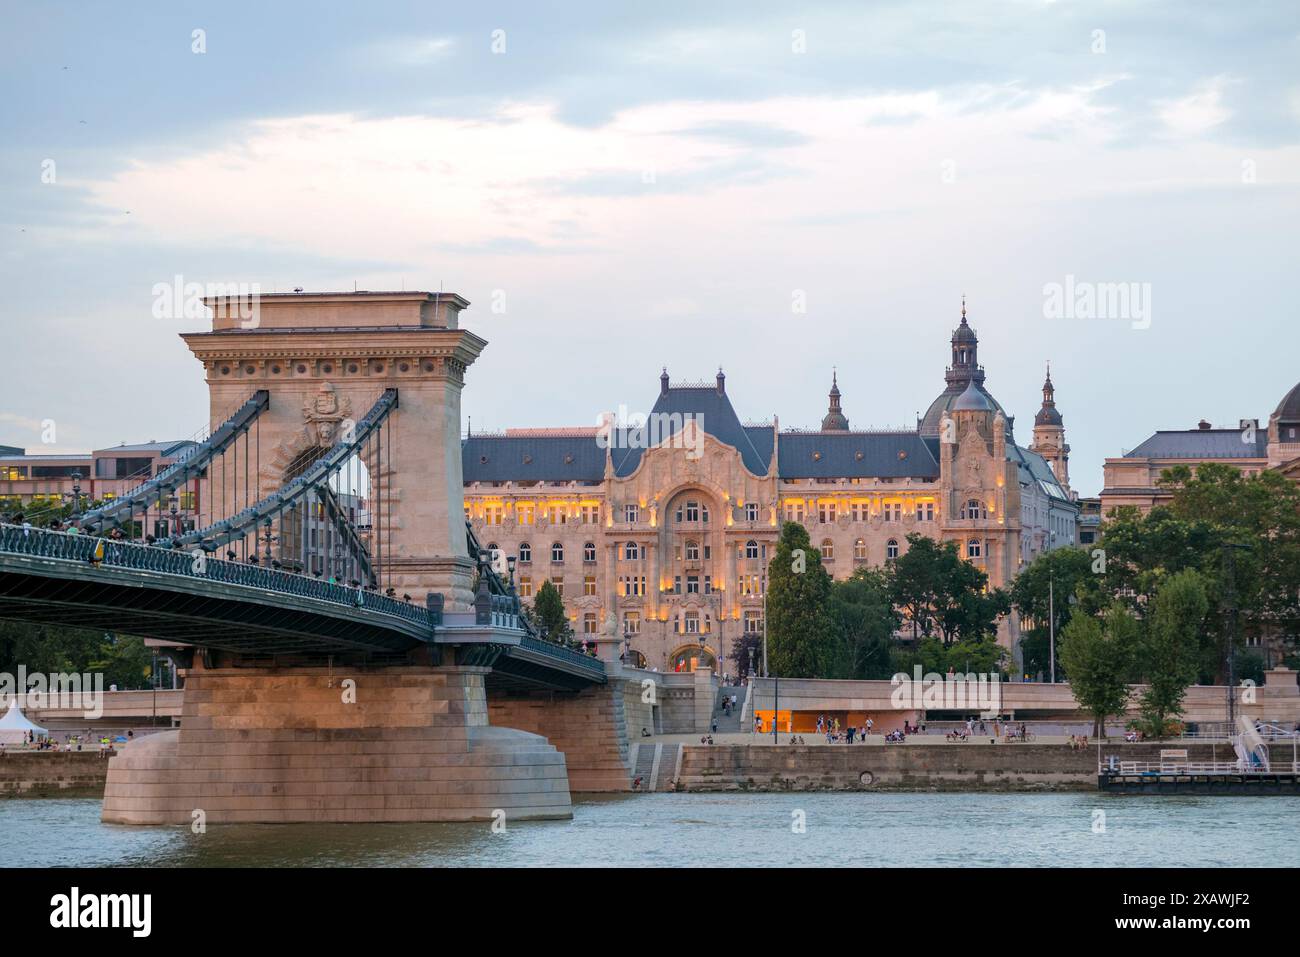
[1196, 767]
[568, 655]
[197, 564]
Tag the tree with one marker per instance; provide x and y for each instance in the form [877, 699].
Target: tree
[941, 592]
[1049, 587]
[1097, 661]
[865, 621]
[1170, 649]
[548, 613]
[801, 633]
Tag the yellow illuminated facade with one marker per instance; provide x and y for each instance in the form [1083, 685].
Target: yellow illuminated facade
[697, 522]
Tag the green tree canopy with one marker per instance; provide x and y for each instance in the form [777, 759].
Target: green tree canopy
[865, 621]
[1169, 654]
[1097, 657]
[548, 614]
[802, 636]
[943, 594]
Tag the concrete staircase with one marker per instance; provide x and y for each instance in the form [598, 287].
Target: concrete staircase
[643, 762]
[729, 723]
[657, 765]
[669, 758]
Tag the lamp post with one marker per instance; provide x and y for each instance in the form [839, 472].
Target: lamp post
[174, 501]
[266, 529]
[1230, 602]
[1051, 623]
[76, 494]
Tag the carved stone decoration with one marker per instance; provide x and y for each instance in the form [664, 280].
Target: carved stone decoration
[323, 412]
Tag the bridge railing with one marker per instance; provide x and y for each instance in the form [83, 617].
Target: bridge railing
[561, 653]
[41, 543]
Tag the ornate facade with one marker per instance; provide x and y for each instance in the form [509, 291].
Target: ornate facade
[660, 531]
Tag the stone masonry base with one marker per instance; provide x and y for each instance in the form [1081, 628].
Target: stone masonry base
[305, 745]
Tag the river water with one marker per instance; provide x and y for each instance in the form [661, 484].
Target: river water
[709, 830]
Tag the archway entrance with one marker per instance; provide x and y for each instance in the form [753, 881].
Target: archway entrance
[692, 658]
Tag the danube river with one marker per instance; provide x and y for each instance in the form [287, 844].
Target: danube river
[706, 830]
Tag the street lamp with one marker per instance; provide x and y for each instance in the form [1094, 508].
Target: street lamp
[76, 494]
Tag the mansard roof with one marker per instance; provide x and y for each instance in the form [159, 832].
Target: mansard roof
[1202, 444]
[710, 408]
[1033, 469]
[558, 456]
[902, 454]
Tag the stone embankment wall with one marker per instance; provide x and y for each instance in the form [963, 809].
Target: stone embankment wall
[929, 767]
[52, 773]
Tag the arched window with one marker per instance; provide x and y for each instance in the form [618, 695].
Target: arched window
[828, 550]
[751, 549]
[589, 552]
[692, 551]
[631, 551]
[860, 549]
[557, 551]
[891, 548]
[974, 508]
[525, 552]
[974, 549]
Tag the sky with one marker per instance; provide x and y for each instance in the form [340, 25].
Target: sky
[775, 188]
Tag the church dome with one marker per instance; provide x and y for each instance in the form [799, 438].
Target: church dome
[1289, 408]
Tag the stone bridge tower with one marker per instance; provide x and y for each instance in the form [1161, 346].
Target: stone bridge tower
[326, 358]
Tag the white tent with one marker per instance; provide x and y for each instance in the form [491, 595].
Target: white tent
[14, 726]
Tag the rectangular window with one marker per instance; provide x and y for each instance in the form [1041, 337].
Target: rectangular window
[525, 586]
[861, 511]
[692, 584]
[692, 622]
[493, 514]
[753, 622]
[794, 511]
[589, 623]
[589, 585]
[677, 584]
[925, 512]
[751, 512]
[556, 514]
[526, 512]
[559, 585]
[825, 512]
[591, 514]
[631, 623]
[632, 513]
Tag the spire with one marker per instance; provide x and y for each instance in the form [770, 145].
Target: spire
[663, 382]
[1048, 415]
[834, 420]
[722, 382]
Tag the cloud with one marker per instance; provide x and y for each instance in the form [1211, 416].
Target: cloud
[1198, 112]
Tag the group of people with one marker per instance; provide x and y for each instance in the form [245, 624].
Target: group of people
[1078, 742]
[71, 742]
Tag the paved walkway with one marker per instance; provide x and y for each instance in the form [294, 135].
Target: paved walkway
[877, 740]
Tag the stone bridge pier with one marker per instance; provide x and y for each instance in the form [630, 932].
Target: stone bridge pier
[314, 744]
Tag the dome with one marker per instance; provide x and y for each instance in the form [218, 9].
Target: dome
[1048, 415]
[945, 402]
[973, 400]
[1289, 407]
[964, 333]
